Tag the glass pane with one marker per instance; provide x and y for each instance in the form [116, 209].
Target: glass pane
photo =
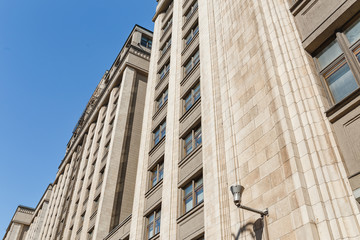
[160, 103]
[188, 189]
[188, 67]
[188, 204]
[197, 92]
[156, 138]
[162, 74]
[199, 195]
[151, 218]
[329, 54]
[196, 57]
[188, 102]
[196, 30]
[188, 38]
[199, 182]
[166, 95]
[154, 178]
[151, 231]
[157, 226]
[341, 82]
[188, 144]
[161, 171]
[353, 33]
[163, 130]
[198, 139]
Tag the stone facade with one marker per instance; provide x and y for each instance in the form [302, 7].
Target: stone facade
[234, 92]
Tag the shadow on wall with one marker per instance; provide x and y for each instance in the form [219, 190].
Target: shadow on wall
[256, 229]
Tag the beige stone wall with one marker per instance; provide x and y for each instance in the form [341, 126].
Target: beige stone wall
[264, 127]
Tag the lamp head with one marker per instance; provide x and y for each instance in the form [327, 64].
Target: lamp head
[237, 191]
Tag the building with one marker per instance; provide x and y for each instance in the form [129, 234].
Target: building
[262, 93]
[20, 223]
[253, 98]
[95, 180]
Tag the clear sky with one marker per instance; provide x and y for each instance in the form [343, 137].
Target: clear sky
[53, 53]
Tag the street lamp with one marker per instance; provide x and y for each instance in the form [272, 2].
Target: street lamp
[237, 191]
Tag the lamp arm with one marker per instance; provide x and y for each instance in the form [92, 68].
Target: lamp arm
[262, 213]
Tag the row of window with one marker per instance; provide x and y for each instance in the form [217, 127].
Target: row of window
[192, 192]
[193, 195]
[190, 11]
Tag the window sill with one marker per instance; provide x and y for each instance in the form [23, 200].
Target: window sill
[153, 149]
[165, 32]
[162, 80]
[189, 19]
[156, 236]
[164, 54]
[187, 157]
[190, 110]
[159, 110]
[190, 43]
[187, 76]
[344, 106]
[154, 188]
[190, 212]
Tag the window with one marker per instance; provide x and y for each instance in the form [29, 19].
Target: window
[162, 99]
[159, 133]
[192, 140]
[195, 58]
[153, 226]
[333, 63]
[165, 47]
[191, 97]
[191, 34]
[192, 9]
[168, 24]
[193, 194]
[146, 42]
[157, 174]
[165, 69]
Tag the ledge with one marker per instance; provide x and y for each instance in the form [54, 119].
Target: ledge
[187, 157]
[161, 80]
[154, 188]
[344, 106]
[161, 142]
[190, 213]
[159, 110]
[189, 19]
[188, 46]
[189, 74]
[164, 54]
[114, 230]
[191, 109]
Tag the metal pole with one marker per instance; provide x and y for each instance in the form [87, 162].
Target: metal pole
[262, 213]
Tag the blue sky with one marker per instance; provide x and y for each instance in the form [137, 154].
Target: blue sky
[52, 55]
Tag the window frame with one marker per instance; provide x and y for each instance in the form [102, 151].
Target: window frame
[159, 129]
[165, 69]
[192, 33]
[347, 57]
[192, 62]
[190, 11]
[153, 224]
[192, 143]
[191, 96]
[165, 47]
[161, 99]
[155, 174]
[193, 194]
[168, 24]
[148, 42]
